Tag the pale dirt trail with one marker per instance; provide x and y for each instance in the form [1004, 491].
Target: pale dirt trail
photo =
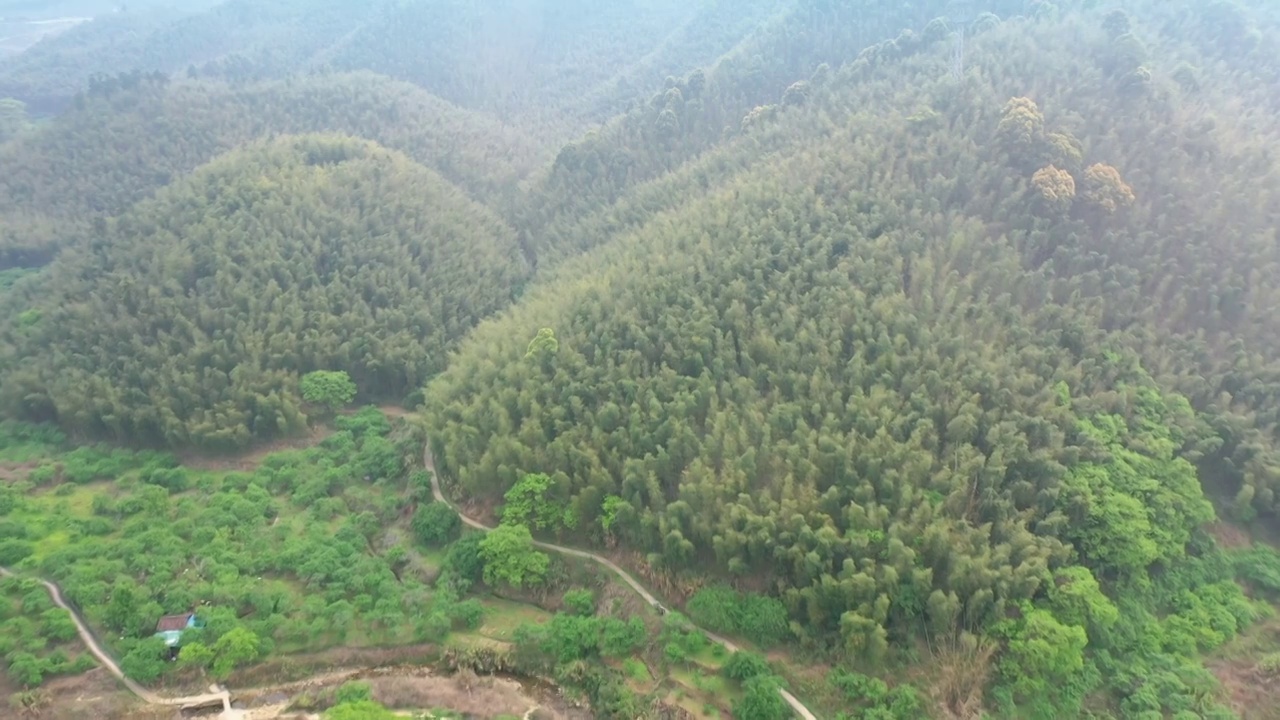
[224, 696]
[105, 660]
[430, 464]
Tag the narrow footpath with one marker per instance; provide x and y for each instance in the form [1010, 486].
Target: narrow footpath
[223, 696]
[429, 462]
[191, 701]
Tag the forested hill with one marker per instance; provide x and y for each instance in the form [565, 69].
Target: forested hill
[529, 59]
[131, 135]
[188, 319]
[951, 354]
[171, 40]
[927, 356]
[774, 62]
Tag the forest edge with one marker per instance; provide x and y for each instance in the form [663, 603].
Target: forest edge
[429, 463]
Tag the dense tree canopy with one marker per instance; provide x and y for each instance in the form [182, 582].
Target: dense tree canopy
[133, 134]
[191, 319]
[863, 329]
[547, 63]
[900, 368]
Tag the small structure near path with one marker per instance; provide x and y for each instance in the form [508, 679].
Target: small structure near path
[170, 628]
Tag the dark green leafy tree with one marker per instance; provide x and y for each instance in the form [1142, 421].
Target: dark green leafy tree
[530, 502]
[436, 524]
[464, 562]
[744, 665]
[234, 649]
[146, 660]
[761, 701]
[13, 552]
[581, 601]
[511, 559]
[620, 638]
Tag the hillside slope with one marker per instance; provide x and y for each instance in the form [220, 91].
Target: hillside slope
[189, 318]
[772, 55]
[136, 134]
[526, 58]
[173, 39]
[913, 354]
[521, 60]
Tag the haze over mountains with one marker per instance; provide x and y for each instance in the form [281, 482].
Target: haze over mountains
[924, 344]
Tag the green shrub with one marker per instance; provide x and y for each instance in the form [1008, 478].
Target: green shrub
[43, 474]
[1260, 567]
[435, 627]
[436, 524]
[368, 421]
[761, 701]
[175, 480]
[743, 666]
[351, 692]
[468, 614]
[12, 530]
[13, 552]
[620, 639]
[1269, 664]
[580, 602]
[759, 618]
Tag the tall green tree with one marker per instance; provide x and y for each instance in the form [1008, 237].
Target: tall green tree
[761, 701]
[435, 524]
[511, 559]
[328, 389]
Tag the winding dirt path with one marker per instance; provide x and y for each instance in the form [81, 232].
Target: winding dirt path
[429, 462]
[224, 696]
[191, 701]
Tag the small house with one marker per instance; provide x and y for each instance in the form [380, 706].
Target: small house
[171, 627]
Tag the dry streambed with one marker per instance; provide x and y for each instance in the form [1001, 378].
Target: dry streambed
[409, 690]
[416, 688]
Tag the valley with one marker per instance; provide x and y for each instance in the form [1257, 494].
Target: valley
[837, 359]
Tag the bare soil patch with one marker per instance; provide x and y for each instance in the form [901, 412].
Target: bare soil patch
[405, 688]
[1229, 535]
[251, 458]
[1249, 686]
[1251, 693]
[395, 411]
[94, 695]
[341, 662]
[13, 472]
[483, 697]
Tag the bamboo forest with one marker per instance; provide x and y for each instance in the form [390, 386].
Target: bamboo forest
[640, 360]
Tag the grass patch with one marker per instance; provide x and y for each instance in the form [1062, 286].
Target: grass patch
[68, 500]
[432, 558]
[713, 657]
[503, 617]
[1254, 642]
[697, 680]
[701, 693]
[635, 669]
[474, 641]
[698, 707]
